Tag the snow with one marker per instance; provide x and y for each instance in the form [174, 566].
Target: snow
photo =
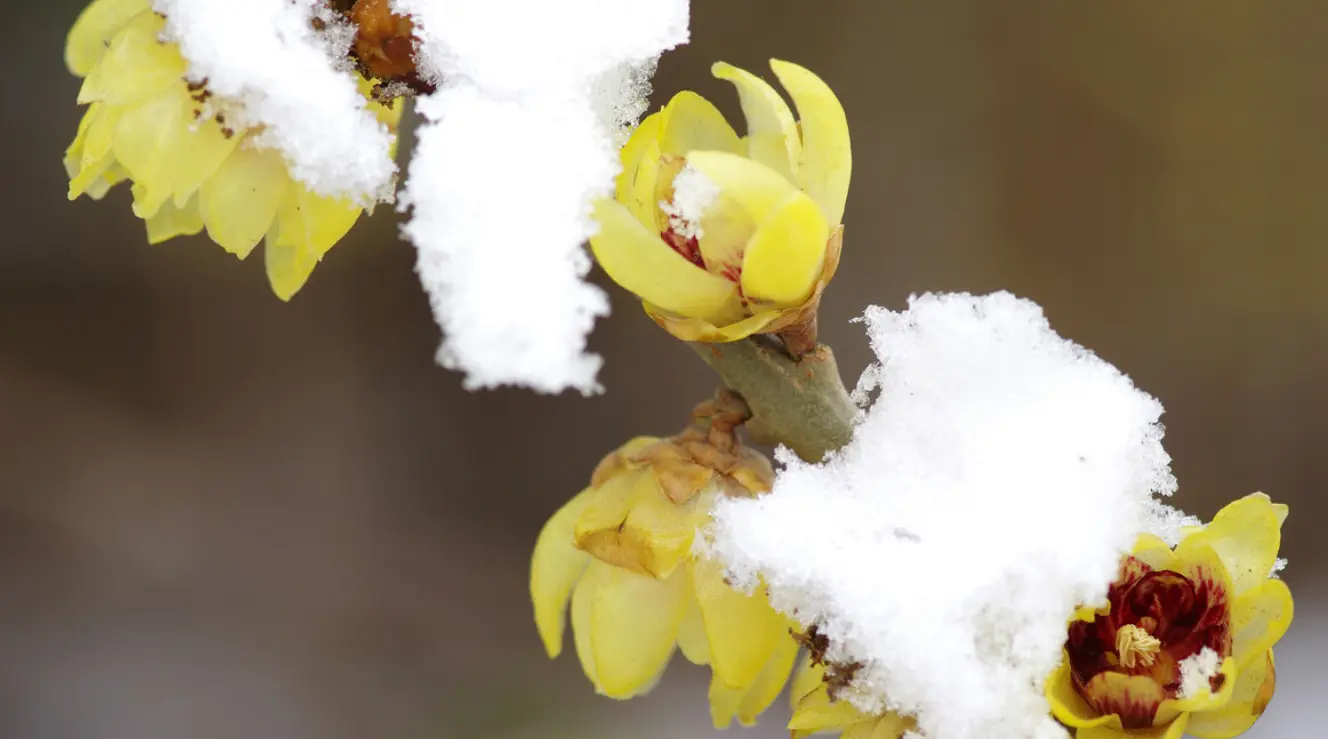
[518, 143]
[1197, 671]
[989, 490]
[693, 193]
[274, 70]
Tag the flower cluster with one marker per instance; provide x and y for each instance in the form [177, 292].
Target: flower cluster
[191, 167]
[725, 236]
[621, 552]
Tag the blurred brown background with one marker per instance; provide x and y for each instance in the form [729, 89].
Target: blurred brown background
[222, 516]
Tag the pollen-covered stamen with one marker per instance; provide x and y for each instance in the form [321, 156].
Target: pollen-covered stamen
[1136, 646]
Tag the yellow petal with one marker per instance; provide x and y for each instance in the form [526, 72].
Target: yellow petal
[785, 255]
[239, 201]
[691, 633]
[860, 730]
[769, 683]
[640, 162]
[1067, 705]
[306, 227]
[171, 221]
[724, 701]
[633, 628]
[583, 603]
[1174, 730]
[94, 29]
[772, 133]
[1249, 698]
[136, 65]
[90, 156]
[695, 329]
[1154, 552]
[166, 151]
[690, 122]
[816, 712]
[806, 680]
[555, 567]
[753, 187]
[639, 261]
[827, 158]
[1206, 700]
[1246, 534]
[632, 524]
[742, 627]
[1259, 618]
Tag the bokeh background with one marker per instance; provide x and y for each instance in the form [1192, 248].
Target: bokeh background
[223, 516]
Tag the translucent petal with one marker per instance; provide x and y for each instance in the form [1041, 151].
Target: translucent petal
[769, 683]
[306, 227]
[90, 156]
[166, 151]
[742, 628]
[1259, 618]
[239, 201]
[690, 122]
[1154, 552]
[583, 603]
[785, 255]
[1249, 698]
[724, 701]
[1067, 705]
[639, 261]
[726, 227]
[827, 158]
[772, 133]
[633, 628]
[860, 730]
[555, 567]
[94, 29]
[806, 680]
[691, 632]
[1246, 534]
[170, 221]
[695, 329]
[136, 65]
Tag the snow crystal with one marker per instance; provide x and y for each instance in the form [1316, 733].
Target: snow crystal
[518, 143]
[693, 192]
[1197, 672]
[275, 70]
[989, 490]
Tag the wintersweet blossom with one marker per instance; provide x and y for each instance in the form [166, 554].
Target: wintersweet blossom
[190, 169]
[1184, 643]
[725, 236]
[621, 552]
[817, 709]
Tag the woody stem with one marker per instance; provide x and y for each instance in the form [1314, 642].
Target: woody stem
[801, 404]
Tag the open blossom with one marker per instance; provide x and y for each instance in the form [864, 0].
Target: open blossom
[725, 236]
[189, 167]
[621, 552]
[1184, 644]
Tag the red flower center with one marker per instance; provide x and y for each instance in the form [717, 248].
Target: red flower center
[1157, 619]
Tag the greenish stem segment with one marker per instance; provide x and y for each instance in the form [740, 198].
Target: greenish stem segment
[802, 405]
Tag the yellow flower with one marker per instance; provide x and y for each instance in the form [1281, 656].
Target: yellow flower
[723, 237]
[189, 171]
[817, 709]
[621, 552]
[1184, 644]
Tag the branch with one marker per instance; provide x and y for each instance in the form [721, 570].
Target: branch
[802, 405]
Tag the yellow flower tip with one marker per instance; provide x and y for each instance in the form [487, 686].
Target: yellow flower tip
[99, 22]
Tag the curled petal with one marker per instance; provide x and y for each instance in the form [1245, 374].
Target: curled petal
[785, 255]
[306, 227]
[1174, 730]
[772, 133]
[135, 66]
[827, 158]
[166, 152]
[555, 567]
[756, 188]
[635, 186]
[1255, 683]
[1154, 552]
[170, 221]
[816, 712]
[692, 641]
[1134, 699]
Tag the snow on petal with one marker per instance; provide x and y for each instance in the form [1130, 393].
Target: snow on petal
[989, 490]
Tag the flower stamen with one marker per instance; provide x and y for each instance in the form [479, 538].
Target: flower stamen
[1136, 646]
